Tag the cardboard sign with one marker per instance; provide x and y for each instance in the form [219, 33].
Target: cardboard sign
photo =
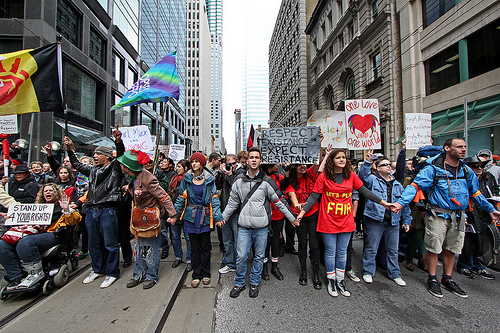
[298, 145]
[332, 124]
[138, 138]
[39, 214]
[176, 152]
[8, 124]
[418, 130]
[363, 124]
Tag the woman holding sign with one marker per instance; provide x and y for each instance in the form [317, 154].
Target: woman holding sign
[336, 221]
[14, 250]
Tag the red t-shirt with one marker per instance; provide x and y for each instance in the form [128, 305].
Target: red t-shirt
[335, 211]
[304, 190]
[276, 214]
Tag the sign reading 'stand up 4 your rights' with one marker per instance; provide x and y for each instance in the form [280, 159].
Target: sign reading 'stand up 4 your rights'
[363, 124]
[299, 145]
[35, 214]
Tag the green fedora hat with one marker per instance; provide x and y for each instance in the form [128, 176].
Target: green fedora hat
[129, 159]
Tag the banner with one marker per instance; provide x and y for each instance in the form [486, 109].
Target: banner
[176, 152]
[29, 81]
[156, 85]
[39, 214]
[298, 145]
[138, 138]
[362, 117]
[332, 124]
[8, 124]
[418, 130]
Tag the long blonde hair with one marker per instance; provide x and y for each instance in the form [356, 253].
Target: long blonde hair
[57, 190]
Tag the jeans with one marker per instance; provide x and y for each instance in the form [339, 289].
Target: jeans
[201, 248]
[230, 237]
[176, 242]
[469, 262]
[28, 250]
[336, 251]
[164, 236]
[307, 230]
[247, 237]
[124, 213]
[102, 226]
[374, 231]
[273, 241]
[147, 258]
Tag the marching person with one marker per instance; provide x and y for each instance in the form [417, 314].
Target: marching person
[451, 183]
[101, 215]
[146, 193]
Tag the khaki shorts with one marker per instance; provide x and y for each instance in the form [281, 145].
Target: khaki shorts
[439, 235]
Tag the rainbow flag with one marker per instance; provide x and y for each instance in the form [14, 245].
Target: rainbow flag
[157, 85]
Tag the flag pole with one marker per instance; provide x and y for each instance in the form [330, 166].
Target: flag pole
[59, 70]
[159, 135]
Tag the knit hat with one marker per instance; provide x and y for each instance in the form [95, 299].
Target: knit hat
[200, 158]
[104, 150]
[134, 160]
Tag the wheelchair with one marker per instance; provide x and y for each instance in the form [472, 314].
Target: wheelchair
[56, 263]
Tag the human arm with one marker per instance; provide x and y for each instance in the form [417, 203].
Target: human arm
[120, 147]
[365, 170]
[476, 195]
[79, 166]
[401, 164]
[323, 163]
[277, 197]
[5, 199]
[233, 203]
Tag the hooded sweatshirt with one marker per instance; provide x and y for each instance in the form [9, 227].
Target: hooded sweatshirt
[493, 169]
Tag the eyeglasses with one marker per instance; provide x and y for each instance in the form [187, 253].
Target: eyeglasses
[477, 166]
[384, 164]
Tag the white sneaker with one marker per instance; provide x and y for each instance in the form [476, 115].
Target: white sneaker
[226, 269]
[332, 288]
[351, 275]
[92, 276]
[108, 281]
[400, 282]
[367, 278]
[30, 280]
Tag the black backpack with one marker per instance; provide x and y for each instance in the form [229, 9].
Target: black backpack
[491, 247]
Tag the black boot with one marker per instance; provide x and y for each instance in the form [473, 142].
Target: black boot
[303, 273]
[265, 272]
[316, 281]
[276, 271]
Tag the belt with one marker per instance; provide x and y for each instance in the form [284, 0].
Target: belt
[457, 224]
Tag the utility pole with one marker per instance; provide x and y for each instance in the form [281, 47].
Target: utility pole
[398, 69]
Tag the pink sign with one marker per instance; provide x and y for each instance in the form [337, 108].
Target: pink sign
[363, 124]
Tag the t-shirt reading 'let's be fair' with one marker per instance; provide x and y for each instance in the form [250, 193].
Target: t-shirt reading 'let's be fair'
[335, 211]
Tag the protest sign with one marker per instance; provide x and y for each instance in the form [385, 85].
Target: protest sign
[418, 130]
[176, 152]
[332, 124]
[138, 138]
[362, 117]
[290, 144]
[39, 214]
[8, 124]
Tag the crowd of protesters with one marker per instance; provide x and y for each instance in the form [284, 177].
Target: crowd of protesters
[430, 207]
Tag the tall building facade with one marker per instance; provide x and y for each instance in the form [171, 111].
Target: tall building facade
[289, 57]
[163, 30]
[100, 47]
[198, 77]
[214, 8]
[258, 27]
[451, 53]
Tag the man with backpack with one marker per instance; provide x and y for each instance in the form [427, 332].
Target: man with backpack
[449, 184]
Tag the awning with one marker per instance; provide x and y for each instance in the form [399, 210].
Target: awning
[86, 137]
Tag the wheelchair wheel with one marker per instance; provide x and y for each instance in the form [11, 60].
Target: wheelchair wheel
[47, 287]
[3, 296]
[61, 277]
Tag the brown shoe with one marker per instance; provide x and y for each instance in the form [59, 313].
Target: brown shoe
[195, 283]
[422, 264]
[205, 280]
[409, 265]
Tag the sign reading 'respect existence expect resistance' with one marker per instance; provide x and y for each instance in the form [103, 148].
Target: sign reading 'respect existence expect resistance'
[300, 145]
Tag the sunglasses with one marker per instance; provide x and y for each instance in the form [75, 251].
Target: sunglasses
[477, 166]
[384, 164]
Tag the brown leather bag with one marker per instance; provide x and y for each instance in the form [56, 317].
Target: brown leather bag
[146, 222]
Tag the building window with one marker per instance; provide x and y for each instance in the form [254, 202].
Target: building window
[483, 50]
[80, 91]
[131, 77]
[331, 100]
[441, 71]
[10, 45]
[339, 4]
[434, 9]
[69, 22]
[376, 65]
[97, 48]
[12, 8]
[350, 87]
[375, 8]
[148, 121]
[118, 68]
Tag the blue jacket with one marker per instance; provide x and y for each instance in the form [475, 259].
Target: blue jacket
[187, 199]
[461, 189]
[378, 186]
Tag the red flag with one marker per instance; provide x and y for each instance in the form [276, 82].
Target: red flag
[250, 137]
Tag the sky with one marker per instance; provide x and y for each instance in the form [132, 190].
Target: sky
[233, 56]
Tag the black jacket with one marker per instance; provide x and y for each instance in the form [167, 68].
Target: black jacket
[24, 191]
[223, 183]
[104, 182]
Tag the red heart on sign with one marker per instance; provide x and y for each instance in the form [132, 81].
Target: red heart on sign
[362, 123]
[340, 122]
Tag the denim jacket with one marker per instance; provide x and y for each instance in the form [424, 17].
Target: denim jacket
[379, 187]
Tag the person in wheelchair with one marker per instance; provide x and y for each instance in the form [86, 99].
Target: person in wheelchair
[26, 252]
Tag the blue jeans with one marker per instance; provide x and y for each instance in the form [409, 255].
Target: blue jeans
[164, 236]
[230, 237]
[469, 262]
[102, 226]
[147, 258]
[374, 231]
[176, 242]
[247, 237]
[336, 251]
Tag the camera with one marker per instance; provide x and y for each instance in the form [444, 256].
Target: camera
[228, 166]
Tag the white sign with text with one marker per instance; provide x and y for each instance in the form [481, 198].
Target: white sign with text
[418, 130]
[138, 138]
[363, 124]
[36, 214]
[332, 124]
[8, 124]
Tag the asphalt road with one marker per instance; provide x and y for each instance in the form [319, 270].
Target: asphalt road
[286, 306]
